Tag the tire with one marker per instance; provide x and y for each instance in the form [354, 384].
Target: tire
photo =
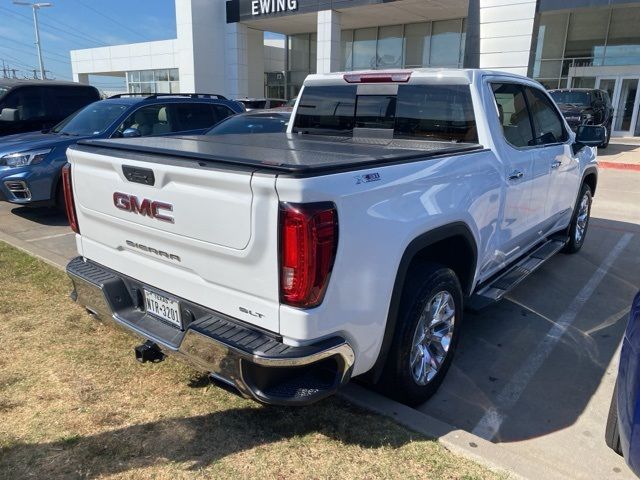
[612, 433]
[427, 286]
[579, 225]
[606, 142]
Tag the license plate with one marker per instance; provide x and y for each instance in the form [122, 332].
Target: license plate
[163, 307]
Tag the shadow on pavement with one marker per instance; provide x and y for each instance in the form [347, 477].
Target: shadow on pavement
[51, 217]
[500, 341]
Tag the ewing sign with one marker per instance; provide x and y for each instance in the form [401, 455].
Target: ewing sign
[265, 7]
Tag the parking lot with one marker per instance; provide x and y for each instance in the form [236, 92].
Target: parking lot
[534, 373]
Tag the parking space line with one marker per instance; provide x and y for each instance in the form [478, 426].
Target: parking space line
[49, 237]
[492, 420]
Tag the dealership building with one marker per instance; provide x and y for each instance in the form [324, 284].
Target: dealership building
[221, 45]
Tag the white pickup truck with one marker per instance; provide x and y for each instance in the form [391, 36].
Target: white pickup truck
[285, 264]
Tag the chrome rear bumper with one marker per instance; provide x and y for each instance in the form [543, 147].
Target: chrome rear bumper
[256, 363]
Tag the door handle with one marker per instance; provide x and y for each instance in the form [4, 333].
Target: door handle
[516, 175]
[556, 164]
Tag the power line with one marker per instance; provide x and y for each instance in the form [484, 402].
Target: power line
[48, 26]
[109, 18]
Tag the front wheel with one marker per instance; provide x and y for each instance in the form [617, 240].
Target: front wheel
[579, 221]
[426, 335]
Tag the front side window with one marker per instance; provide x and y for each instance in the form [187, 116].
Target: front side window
[513, 114]
[548, 127]
[29, 101]
[149, 120]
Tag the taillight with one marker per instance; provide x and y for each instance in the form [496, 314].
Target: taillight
[308, 243]
[68, 198]
[397, 76]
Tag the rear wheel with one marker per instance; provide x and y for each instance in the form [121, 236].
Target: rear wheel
[612, 434]
[579, 221]
[426, 335]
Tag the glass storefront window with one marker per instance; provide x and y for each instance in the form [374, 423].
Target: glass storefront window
[417, 42]
[445, 43]
[153, 81]
[390, 40]
[623, 43]
[364, 48]
[586, 35]
[346, 39]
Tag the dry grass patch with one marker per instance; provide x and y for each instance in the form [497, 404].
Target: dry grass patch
[75, 404]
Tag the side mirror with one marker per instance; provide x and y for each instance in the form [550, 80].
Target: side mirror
[591, 135]
[10, 115]
[131, 132]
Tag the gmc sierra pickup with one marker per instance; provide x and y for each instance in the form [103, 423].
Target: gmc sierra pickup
[285, 264]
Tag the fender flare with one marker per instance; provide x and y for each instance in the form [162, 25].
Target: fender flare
[418, 244]
[590, 170]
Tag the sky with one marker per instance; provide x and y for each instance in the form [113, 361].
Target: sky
[74, 24]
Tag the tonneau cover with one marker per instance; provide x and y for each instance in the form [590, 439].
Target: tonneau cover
[292, 153]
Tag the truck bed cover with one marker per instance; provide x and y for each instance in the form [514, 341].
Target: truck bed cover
[285, 153]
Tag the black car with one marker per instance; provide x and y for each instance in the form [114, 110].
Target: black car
[263, 121]
[585, 106]
[30, 105]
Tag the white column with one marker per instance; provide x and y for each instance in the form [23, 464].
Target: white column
[329, 31]
[81, 77]
[201, 29]
[236, 63]
[256, 62]
[506, 31]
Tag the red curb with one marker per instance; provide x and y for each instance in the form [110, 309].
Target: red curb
[619, 166]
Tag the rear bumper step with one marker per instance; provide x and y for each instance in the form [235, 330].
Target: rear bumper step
[254, 362]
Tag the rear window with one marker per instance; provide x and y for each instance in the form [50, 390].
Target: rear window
[254, 104]
[434, 112]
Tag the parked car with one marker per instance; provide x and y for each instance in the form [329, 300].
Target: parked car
[30, 105]
[31, 163]
[585, 106]
[285, 264]
[624, 415]
[262, 103]
[268, 121]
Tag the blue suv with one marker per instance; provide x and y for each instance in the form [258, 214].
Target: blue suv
[31, 163]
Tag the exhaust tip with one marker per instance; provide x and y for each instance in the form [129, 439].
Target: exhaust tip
[148, 352]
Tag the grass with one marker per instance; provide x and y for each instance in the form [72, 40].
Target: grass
[75, 404]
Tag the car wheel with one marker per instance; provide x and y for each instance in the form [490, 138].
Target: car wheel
[426, 335]
[612, 433]
[579, 221]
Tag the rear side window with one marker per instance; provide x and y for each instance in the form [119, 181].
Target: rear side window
[198, 116]
[548, 127]
[436, 112]
[71, 99]
[513, 114]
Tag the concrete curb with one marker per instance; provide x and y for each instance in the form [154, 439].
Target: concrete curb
[46, 256]
[619, 166]
[493, 456]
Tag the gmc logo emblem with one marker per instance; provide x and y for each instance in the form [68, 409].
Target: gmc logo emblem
[144, 207]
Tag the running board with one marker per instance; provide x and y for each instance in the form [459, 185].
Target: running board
[504, 282]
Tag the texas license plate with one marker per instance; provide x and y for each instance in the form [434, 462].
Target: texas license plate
[163, 307]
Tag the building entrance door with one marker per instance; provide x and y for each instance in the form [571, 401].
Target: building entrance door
[624, 98]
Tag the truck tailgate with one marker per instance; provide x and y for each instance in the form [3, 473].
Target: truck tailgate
[186, 229]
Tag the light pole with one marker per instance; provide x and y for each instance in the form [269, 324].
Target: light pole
[35, 7]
